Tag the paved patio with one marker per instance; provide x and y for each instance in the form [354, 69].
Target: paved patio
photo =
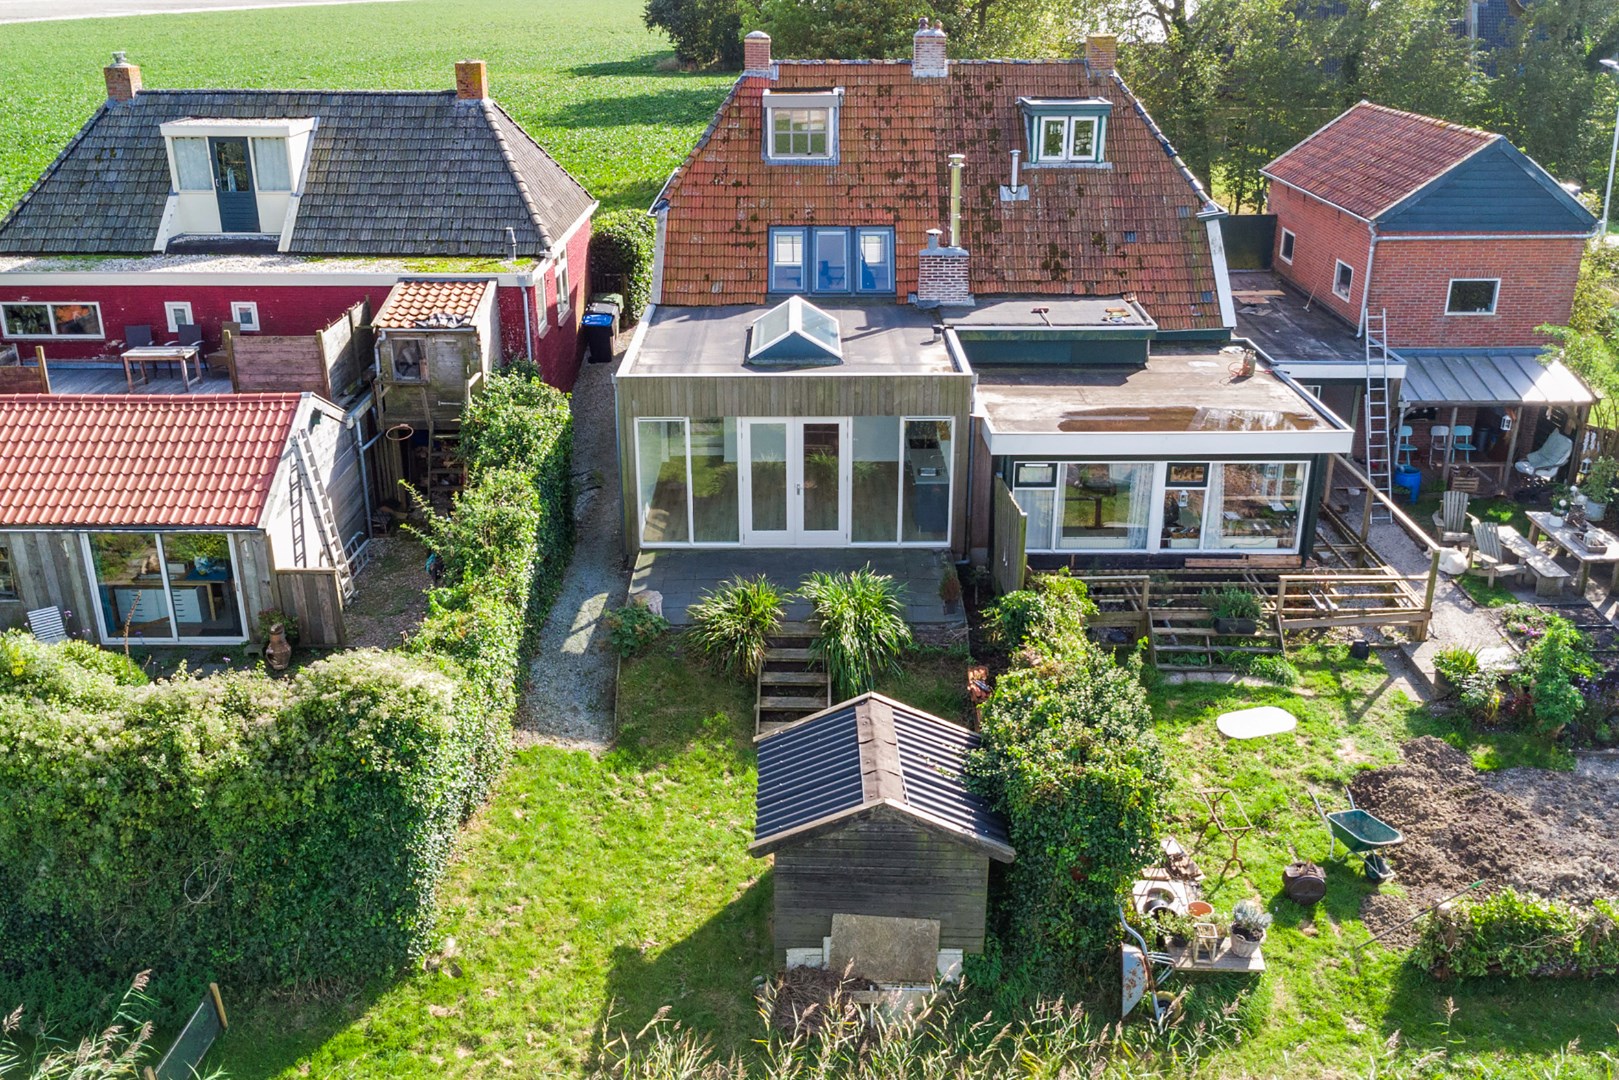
[683, 576]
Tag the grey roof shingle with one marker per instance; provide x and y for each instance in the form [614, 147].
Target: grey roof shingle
[868, 753]
[390, 173]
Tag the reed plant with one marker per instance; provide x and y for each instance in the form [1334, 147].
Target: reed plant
[862, 629]
[731, 626]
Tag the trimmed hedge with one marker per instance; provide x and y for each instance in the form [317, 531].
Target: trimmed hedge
[271, 832]
[1520, 936]
[622, 243]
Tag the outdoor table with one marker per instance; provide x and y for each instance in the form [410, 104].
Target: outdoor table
[143, 355]
[1568, 539]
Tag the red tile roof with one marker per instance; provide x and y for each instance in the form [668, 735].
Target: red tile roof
[1372, 157]
[411, 301]
[1131, 228]
[106, 460]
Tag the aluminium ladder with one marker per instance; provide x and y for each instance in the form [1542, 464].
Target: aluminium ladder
[1379, 447]
[325, 522]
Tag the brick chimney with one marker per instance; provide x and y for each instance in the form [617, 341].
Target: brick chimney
[756, 54]
[1101, 53]
[928, 60]
[471, 80]
[942, 275]
[123, 79]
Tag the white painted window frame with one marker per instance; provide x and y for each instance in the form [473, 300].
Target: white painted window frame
[249, 326]
[111, 637]
[169, 307]
[5, 325]
[564, 287]
[1337, 273]
[1495, 298]
[1285, 250]
[828, 102]
[1098, 139]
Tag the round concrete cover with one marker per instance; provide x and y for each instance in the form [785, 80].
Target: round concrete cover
[1256, 723]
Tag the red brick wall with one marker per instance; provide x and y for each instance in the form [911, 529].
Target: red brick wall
[1411, 278]
[1323, 236]
[556, 348]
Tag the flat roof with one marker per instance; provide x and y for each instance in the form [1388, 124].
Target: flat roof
[1281, 320]
[877, 339]
[1055, 312]
[1185, 399]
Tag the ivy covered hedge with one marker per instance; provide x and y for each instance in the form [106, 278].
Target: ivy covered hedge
[621, 251]
[1520, 936]
[267, 832]
[1069, 756]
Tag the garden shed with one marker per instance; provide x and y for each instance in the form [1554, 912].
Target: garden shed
[866, 809]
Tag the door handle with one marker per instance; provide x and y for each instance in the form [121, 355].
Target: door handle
[800, 489]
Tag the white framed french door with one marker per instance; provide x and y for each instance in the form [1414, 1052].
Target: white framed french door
[796, 481]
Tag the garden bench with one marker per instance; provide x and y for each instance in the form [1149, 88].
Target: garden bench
[1550, 578]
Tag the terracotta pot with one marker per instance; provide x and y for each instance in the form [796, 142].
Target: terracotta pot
[277, 651]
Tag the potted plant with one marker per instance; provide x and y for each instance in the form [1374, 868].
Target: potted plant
[1249, 922]
[1600, 480]
[950, 589]
[1236, 610]
[1452, 667]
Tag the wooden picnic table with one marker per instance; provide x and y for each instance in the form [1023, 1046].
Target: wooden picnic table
[143, 355]
[1569, 540]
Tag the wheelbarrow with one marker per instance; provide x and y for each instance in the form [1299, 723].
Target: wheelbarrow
[1361, 834]
[1143, 971]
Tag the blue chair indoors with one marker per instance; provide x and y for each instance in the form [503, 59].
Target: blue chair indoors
[1464, 441]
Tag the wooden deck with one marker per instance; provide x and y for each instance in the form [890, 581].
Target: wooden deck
[69, 378]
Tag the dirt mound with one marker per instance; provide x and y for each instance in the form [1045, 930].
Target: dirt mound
[1535, 831]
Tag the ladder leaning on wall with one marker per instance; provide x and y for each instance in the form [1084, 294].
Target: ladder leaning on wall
[325, 523]
[1379, 448]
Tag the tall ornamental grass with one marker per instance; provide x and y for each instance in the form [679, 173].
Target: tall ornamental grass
[731, 626]
[862, 627]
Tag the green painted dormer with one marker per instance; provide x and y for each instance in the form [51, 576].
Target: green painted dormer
[1066, 131]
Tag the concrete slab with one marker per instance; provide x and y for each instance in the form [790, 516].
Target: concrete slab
[884, 949]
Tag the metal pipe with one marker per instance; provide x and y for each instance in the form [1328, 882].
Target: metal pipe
[1016, 155]
[1366, 285]
[957, 163]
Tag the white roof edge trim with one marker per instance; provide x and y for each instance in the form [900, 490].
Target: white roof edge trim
[1156, 445]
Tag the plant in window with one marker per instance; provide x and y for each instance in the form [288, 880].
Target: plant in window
[731, 626]
[862, 627]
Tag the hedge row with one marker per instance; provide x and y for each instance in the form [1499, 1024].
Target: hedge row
[266, 832]
[1515, 935]
[622, 243]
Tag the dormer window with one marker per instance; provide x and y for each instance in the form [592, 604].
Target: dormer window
[234, 175]
[802, 127]
[1066, 131]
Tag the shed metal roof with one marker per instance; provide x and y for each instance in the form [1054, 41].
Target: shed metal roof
[865, 754]
[1488, 377]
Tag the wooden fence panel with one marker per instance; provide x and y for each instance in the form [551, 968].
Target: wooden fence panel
[280, 364]
[1007, 554]
[315, 598]
[21, 380]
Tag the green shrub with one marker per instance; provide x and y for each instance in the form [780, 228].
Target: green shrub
[1549, 668]
[1232, 602]
[1051, 611]
[1517, 936]
[862, 629]
[732, 626]
[1455, 665]
[1267, 666]
[1601, 480]
[621, 252]
[631, 628]
[705, 33]
[285, 832]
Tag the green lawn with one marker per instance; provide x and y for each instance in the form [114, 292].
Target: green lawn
[1322, 1010]
[583, 76]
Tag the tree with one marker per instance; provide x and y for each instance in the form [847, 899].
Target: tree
[706, 33]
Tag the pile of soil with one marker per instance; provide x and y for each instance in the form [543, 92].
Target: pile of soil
[804, 998]
[1547, 833]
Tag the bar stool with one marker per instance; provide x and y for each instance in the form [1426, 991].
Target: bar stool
[1464, 440]
[1404, 446]
[1438, 443]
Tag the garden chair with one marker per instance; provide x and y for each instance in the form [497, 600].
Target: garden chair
[1488, 555]
[1552, 455]
[1451, 519]
[1463, 441]
[1438, 443]
[1406, 447]
[46, 625]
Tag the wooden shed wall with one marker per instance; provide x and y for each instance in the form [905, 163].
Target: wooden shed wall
[881, 865]
[707, 397]
[48, 569]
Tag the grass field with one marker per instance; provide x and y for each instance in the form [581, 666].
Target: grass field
[582, 76]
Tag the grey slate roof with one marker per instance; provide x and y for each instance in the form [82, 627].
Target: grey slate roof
[390, 173]
[867, 754]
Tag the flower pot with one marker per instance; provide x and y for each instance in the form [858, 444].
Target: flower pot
[1555, 521]
[1236, 627]
[277, 651]
[1241, 946]
[1594, 511]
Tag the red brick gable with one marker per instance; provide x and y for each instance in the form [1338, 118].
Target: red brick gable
[1131, 228]
[1371, 157]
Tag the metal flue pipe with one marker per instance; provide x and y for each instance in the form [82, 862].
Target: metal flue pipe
[957, 163]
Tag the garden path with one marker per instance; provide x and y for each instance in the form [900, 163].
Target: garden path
[569, 697]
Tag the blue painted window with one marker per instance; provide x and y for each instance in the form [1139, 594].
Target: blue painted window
[828, 261]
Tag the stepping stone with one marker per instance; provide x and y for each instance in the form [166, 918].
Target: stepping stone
[1256, 723]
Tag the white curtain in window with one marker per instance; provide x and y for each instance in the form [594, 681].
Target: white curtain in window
[191, 160]
[270, 158]
[1139, 478]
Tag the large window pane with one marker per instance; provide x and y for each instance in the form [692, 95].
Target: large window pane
[876, 260]
[270, 159]
[787, 260]
[191, 159]
[1083, 146]
[767, 453]
[831, 260]
[202, 585]
[926, 481]
[714, 482]
[1259, 504]
[76, 320]
[1105, 506]
[876, 480]
[823, 473]
[26, 319]
[129, 585]
[1039, 504]
[661, 472]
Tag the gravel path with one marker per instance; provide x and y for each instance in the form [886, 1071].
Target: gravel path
[569, 697]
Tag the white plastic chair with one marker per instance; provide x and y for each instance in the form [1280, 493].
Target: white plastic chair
[1438, 443]
[46, 624]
